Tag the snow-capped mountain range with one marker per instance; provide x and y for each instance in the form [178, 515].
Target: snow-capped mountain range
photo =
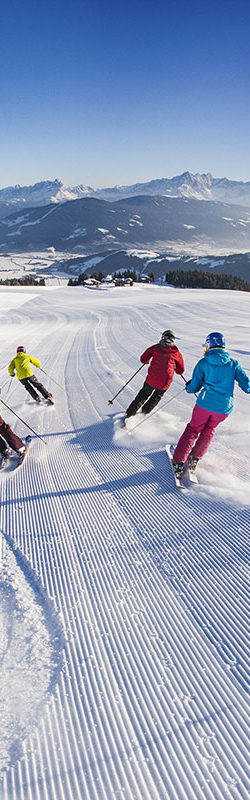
[186, 185]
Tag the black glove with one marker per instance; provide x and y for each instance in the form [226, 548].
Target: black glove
[187, 384]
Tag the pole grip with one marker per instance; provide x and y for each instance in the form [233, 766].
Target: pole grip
[182, 376]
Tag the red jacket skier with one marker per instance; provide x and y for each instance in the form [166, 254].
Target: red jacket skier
[165, 359]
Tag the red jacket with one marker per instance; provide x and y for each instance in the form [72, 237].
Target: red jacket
[165, 362]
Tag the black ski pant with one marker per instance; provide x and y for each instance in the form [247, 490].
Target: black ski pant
[148, 397]
[7, 435]
[32, 381]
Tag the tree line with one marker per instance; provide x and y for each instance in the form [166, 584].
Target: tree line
[205, 280]
[27, 281]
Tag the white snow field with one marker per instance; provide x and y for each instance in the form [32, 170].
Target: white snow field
[123, 601]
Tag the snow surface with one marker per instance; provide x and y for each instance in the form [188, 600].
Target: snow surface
[123, 603]
[26, 224]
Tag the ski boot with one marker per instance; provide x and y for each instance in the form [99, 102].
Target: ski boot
[192, 463]
[50, 399]
[38, 400]
[178, 468]
[4, 457]
[22, 450]
[21, 453]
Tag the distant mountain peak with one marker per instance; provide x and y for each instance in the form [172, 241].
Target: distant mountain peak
[197, 186]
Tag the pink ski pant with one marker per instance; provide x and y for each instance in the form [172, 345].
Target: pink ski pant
[201, 425]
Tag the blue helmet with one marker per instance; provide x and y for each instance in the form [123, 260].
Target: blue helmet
[215, 339]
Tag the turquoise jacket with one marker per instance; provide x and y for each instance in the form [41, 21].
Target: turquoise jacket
[215, 375]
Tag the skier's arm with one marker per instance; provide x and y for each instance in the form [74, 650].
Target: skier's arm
[11, 368]
[197, 379]
[242, 378]
[179, 364]
[147, 355]
[35, 361]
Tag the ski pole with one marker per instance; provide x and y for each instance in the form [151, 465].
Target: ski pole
[22, 420]
[6, 395]
[53, 379]
[125, 384]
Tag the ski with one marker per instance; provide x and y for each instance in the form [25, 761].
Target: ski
[22, 456]
[12, 460]
[192, 477]
[178, 481]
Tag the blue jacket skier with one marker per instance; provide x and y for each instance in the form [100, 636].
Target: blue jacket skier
[214, 377]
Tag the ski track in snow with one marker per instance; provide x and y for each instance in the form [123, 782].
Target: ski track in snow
[124, 600]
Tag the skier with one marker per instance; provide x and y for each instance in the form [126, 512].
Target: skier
[215, 375]
[8, 436]
[21, 363]
[166, 360]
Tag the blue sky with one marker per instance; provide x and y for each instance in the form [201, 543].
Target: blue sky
[109, 92]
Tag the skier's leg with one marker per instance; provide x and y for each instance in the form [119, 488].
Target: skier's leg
[206, 435]
[153, 400]
[2, 444]
[192, 430]
[140, 398]
[10, 437]
[39, 387]
[29, 388]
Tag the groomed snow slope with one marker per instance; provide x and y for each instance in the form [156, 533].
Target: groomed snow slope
[123, 603]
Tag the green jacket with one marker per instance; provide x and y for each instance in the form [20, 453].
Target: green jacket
[21, 363]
